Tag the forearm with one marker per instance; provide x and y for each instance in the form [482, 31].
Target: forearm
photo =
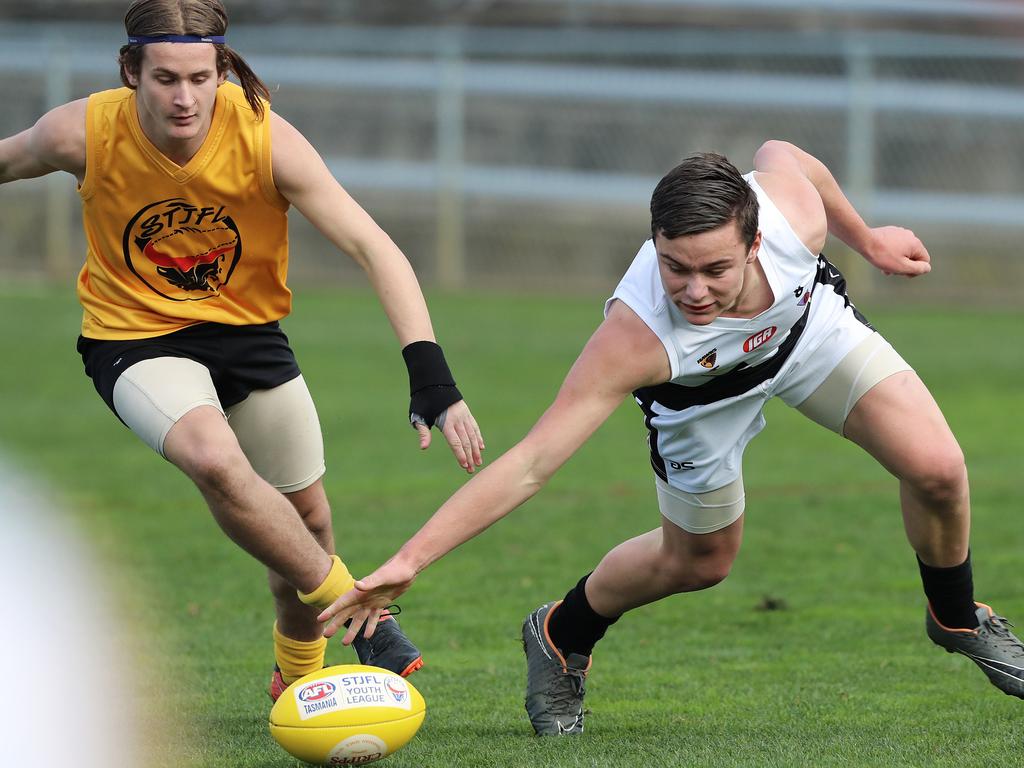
[302, 178]
[496, 491]
[594, 388]
[355, 233]
[398, 289]
[843, 220]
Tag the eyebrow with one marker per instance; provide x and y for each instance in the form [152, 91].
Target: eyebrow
[706, 268]
[164, 71]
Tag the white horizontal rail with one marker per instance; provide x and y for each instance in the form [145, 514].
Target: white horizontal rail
[522, 184]
[593, 84]
[975, 9]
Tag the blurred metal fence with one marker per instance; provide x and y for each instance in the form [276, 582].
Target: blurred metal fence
[526, 157]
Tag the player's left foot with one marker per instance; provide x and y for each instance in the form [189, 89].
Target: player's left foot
[992, 646]
[389, 648]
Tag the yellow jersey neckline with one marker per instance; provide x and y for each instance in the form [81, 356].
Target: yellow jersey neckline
[181, 173]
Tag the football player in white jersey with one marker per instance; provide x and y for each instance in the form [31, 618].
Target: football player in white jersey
[728, 305]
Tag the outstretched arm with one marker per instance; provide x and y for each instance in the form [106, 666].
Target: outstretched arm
[55, 143]
[894, 250]
[622, 355]
[302, 178]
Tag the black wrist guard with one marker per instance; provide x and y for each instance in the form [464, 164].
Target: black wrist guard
[431, 385]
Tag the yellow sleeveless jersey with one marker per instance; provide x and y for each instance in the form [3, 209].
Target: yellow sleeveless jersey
[170, 246]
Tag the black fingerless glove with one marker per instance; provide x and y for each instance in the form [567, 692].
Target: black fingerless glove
[431, 386]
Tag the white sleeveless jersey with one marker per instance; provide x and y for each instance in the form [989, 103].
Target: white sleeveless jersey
[719, 363]
[699, 354]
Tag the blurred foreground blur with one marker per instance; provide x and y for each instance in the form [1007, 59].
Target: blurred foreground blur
[68, 693]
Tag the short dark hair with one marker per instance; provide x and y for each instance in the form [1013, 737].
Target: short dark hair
[702, 193]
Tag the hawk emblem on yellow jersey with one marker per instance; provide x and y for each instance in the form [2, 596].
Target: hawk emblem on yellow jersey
[181, 251]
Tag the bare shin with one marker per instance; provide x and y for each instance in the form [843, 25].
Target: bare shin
[249, 510]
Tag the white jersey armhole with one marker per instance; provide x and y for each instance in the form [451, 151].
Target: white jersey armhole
[668, 341]
[778, 223]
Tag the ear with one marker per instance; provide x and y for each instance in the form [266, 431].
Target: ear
[130, 78]
[221, 78]
[754, 248]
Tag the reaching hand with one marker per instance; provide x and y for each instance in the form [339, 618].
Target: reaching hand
[898, 251]
[462, 433]
[364, 603]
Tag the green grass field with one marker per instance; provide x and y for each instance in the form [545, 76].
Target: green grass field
[841, 675]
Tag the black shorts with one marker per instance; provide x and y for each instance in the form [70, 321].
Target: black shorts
[240, 358]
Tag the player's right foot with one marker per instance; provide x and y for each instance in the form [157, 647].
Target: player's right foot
[277, 684]
[554, 683]
[389, 649]
[992, 646]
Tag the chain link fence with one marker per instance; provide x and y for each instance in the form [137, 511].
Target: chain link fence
[523, 158]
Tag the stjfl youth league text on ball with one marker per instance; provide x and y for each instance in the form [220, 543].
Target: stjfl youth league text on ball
[347, 715]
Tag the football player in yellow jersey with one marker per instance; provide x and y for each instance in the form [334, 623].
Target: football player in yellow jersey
[185, 180]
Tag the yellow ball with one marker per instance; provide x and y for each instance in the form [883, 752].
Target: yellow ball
[347, 715]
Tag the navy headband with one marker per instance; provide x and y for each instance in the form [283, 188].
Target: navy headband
[142, 40]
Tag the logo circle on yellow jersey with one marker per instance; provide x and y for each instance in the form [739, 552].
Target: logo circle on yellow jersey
[182, 251]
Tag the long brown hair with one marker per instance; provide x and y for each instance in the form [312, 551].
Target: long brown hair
[155, 18]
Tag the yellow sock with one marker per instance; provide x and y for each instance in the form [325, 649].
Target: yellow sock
[338, 582]
[297, 658]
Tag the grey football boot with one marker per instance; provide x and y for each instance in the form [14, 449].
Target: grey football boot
[554, 684]
[992, 646]
[389, 649]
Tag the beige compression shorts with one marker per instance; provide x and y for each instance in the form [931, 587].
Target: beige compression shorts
[277, 429]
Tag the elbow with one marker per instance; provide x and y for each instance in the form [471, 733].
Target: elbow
[772, 147]
[532, 482]
[778, 155]
[531, 463]
[534, 476]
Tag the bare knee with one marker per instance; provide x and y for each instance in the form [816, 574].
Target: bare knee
[696, 572]
[939, 476]
[312, 505]
[203, 446]
[317, 519]
[690, 562]
[216, 469]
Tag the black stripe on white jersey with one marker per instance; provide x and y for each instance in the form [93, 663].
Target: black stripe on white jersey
[742, 378]
[827, 274]
[657, 460]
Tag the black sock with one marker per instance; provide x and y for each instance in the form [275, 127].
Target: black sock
[574, 626]
[950, 591]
